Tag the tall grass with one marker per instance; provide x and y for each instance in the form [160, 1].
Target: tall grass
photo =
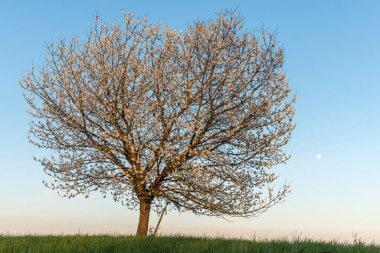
[170, 244]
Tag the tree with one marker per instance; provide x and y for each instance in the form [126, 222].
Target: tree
[156, 116]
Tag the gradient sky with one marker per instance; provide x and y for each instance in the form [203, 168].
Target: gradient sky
[332, 62]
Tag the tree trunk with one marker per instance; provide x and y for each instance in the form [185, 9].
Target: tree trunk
[142, 229]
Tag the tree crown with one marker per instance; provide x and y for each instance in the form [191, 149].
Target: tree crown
[193, 118]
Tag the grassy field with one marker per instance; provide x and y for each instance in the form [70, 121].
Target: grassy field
[180, 244]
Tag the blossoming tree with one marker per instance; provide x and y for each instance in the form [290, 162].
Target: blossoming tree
[155, 116]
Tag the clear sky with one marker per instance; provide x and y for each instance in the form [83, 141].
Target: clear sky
[332, 62]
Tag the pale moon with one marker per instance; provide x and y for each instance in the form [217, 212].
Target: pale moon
[319, 156]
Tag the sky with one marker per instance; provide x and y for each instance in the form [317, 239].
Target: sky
[332, 62]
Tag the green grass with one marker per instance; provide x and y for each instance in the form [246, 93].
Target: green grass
[172, 244]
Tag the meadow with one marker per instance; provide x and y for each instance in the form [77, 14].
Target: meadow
[171, 244]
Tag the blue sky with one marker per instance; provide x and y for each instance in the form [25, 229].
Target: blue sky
[332, 62]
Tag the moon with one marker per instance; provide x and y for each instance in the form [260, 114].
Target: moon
[319, 156]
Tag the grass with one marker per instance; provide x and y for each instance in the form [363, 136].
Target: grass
[170, 244]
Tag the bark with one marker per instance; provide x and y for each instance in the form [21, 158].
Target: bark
[142, 229]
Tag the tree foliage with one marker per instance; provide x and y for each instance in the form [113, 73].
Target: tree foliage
[152, 115]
